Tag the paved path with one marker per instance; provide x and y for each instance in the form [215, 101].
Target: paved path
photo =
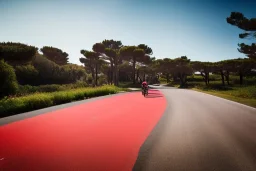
[200, 132]
[172, 129]
[98, 135]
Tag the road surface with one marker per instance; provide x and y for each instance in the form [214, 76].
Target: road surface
[179, 130]
[95, 135]
[200, 132]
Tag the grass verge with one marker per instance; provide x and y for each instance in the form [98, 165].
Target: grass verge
[15, 105]
[129, 85]
[240, 95]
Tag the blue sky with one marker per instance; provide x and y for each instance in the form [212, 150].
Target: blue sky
[173, 28]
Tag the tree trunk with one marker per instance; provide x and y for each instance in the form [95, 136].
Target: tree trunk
[108, 77]
[140, 79]
[133, 74]
[222, 77]
[93, 76]
[116, 75]
[204, 75]
[144, 76]
[208, 78]
[96, 75]
[174, 78]
[137, 75]
[111, 73]
[227, 77]
[181, 80]
[167, 78]
[241, 78]
[205, 80]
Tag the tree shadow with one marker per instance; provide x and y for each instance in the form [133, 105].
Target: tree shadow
[153, 90]
[154, 96]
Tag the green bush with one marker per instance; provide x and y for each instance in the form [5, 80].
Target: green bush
[8, 84]
[26, 74]
[27, 89]
[195, 78]
[215, 77]
[244, 92]
[51, 73]
[37, 101]
[17, 53]
[89, 79]
[63, 97]
[78, 84]
[24, 104]
[102, 80]
[40, 100]
[162, 80]
[247, 80]
[50, 88]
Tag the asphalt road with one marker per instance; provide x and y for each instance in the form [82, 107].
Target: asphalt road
[196, 132]
[99, 134]
[200, 132]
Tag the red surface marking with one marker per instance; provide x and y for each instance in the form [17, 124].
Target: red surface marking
[100, 135]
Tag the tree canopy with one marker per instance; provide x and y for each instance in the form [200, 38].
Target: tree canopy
[17, 53]
[56, 55]
[249, 26]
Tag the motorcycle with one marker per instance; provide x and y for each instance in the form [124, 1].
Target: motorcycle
[145, 91]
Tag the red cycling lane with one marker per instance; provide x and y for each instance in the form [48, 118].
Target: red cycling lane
[101, 135]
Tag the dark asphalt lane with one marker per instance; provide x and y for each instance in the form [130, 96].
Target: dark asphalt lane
[200, 132]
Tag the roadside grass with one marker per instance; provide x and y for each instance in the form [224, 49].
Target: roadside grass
[129, 85]
[231, 96]
[172, 84]
[15, 105]
[245, 94]
[28, 89]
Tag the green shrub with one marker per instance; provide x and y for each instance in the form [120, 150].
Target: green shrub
[26, 74]
[17, 53]
[195, 78]
[40, 100]
[215, 77]
[8, 84]
[63, 97]
[37, 101]
[244, 92]
[51, 73]
[162, 80]
[247, 80]
[78, 84]
[102, 80]
[24, 104]
[50, 88]
[89, 79]
[27, 89]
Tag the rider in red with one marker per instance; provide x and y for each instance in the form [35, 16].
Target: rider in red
[144, 84]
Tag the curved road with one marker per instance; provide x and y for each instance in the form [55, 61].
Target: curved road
[180, 130]
[200, 132]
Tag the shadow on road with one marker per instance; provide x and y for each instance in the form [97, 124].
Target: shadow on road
[153, 94]
[153, 90]
[146, 149]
